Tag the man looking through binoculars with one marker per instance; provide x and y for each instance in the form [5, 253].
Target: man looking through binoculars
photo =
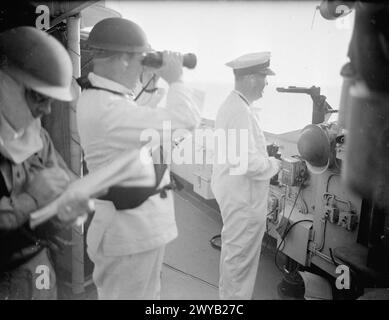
[126, 241]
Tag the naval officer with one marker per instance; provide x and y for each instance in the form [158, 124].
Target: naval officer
[242, 197]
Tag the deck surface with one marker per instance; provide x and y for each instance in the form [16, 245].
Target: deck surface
[191, 266]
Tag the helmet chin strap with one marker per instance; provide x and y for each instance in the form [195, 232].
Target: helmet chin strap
[144, 88]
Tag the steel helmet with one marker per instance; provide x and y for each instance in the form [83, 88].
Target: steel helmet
[38, 61]
[118, 34]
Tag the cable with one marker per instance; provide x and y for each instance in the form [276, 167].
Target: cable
[332, 258]
[329, 178]
[327, 196]
[353, 273]
[345, 202]
[283, 241]
[190, 275]
[295, 200]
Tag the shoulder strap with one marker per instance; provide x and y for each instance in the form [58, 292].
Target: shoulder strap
[85, 84]
[160, 168]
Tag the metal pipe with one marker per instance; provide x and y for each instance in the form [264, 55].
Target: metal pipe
[73, 46]
[322, 255]
[323, 237]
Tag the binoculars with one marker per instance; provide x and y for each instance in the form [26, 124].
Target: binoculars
[155, 60]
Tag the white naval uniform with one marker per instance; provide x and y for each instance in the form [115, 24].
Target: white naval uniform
[242, 200]
[127, 246]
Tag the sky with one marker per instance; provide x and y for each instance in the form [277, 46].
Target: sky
[305, 48]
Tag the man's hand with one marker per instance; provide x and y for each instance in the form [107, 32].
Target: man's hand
[171, 71]
[72, 206]
[47, 184]
[277, 163]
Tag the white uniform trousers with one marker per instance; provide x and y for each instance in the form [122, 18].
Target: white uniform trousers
[130, 277]
[241, 250]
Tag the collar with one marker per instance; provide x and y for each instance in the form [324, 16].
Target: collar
[102, 82]
[242, 97]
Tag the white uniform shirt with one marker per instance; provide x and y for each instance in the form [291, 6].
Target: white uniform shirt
[242, 198]
[237, 114]
[109, 123]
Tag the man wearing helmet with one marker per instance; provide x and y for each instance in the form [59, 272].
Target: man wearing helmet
[35, 69]
[127, 246]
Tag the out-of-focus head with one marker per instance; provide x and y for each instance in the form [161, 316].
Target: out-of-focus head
[34, 69]
[38, 61]
[117, 46]
[251, 70]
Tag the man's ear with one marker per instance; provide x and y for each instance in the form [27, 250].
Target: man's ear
[251, 79]
[123, 58]
[125, 62]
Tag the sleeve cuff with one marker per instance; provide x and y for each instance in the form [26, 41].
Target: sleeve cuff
[270, 171]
